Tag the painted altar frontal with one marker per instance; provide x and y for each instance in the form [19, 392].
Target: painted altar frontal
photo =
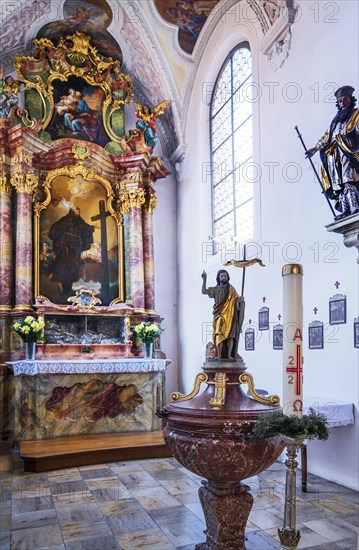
[58, 398]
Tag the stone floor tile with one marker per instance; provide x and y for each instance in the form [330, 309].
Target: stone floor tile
[66, 499]
[331, 529]
[184, 533]
[196, 509]
[68, 487]
[55, 477]
[85, 530]
[151, 539]
[5, 540]
[156, 465]
[178, 486]
[265, 518]
[32, 504]
[36, 537]
[188, 498]
[135, 521]
[170, 516]
[258, 540]
[159, 499]
[39, 518]
[75, 513]
[96, 473]
[338, 506]
[100, 543]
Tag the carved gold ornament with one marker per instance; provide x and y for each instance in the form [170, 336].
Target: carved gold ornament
[24, 183]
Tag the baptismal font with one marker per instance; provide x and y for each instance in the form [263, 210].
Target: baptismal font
[210, 433]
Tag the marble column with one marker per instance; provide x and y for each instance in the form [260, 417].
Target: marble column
[6, 246]
[148, 253]
[131, 201]
[25, 185]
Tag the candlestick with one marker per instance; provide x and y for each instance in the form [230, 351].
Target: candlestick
[292, 339]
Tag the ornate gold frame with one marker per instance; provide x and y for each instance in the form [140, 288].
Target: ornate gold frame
[88, 175]
[70, 60]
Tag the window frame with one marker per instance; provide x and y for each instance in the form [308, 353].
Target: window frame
[234, 207]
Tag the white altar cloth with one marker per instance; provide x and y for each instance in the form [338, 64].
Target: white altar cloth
[338, 413]
[137, 365]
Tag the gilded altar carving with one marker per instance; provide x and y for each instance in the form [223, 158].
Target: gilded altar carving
[150, 204]
[46, 78]
[132, 198]
[24, 183]
[5, 186]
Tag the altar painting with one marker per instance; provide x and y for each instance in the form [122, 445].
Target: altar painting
[78, 242]
[78, 112]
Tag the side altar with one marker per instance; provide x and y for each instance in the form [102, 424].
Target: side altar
[77, 200]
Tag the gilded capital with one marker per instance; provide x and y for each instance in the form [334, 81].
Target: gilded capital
[24, 183]
[134, 198]
[5, 186]
[150, 204]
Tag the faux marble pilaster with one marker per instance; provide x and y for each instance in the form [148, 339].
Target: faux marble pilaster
[136, 258]
[25, 185]
[148, 262]
[6, 246]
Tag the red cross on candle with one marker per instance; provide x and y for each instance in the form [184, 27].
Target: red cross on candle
[279, 317]
[337, 284]
[315, 310]
[297, 369]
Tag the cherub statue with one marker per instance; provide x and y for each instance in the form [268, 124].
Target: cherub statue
[147, 119]
[9, 88]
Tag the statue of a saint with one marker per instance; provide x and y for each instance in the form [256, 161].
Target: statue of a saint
[228, 315]
[339, 154]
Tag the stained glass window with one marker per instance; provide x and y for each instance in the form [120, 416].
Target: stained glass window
[232, 149]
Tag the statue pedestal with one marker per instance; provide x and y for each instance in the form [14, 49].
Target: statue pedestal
[209, 434]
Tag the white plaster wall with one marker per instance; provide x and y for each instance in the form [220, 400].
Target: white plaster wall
[286, 211]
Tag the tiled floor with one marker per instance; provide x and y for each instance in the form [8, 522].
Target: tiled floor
[153, 505]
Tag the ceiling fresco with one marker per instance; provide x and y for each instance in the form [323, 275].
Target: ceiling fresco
[188, 15]
[88, 16]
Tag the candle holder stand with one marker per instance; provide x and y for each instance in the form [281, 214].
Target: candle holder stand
[289, 537]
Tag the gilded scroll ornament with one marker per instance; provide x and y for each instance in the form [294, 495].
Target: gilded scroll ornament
[176, 396]
[24, 183]
[246, 378]
[5, 186]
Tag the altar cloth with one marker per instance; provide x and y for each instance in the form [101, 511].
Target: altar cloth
[338, 413]
[137, 365]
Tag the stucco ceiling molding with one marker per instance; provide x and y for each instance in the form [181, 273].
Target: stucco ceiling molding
[18, 18]
[277, 41]
[149, 66]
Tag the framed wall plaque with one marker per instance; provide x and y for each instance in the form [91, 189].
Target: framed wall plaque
[263, 318]
[278, 337]
[338, 309]
[249, 339]
[316, 335]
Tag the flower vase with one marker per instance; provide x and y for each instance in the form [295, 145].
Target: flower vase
[30, 348]
[148, 350]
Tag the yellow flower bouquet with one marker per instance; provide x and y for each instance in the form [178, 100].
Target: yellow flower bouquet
[30, 329]
[147, 332]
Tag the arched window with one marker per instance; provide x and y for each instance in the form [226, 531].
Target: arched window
[232, 148]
